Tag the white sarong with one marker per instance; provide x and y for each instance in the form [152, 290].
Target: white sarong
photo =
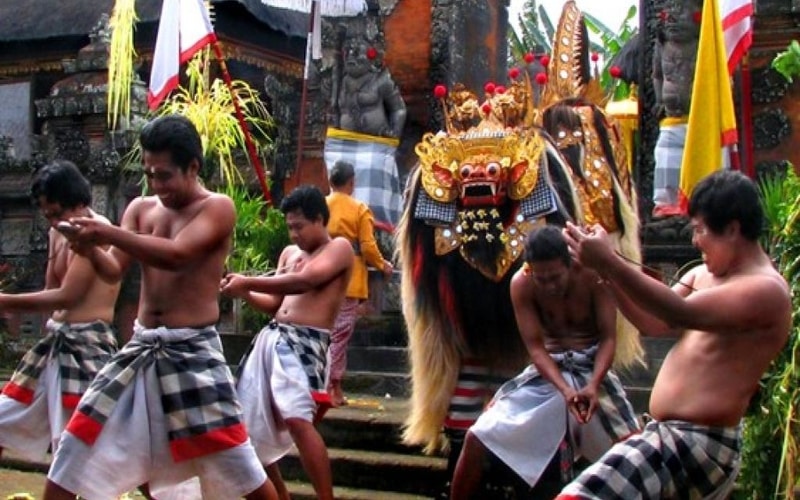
[272, 387]
[528, 419]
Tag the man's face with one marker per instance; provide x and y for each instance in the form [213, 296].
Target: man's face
[713, 247]
[550, 276]
[166, 180]
[303, 232]
[54, 212]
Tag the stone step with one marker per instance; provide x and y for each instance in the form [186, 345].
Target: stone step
[380, 330]
[378, 471]
[378, 358]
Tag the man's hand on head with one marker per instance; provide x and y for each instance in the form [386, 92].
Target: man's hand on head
[590, 247]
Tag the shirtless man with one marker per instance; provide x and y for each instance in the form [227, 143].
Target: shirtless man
[731, 316]
[282, 380]
[164, 409]
[568, 395]
[44, 390]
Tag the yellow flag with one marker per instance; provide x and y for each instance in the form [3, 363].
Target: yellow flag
[712, 123]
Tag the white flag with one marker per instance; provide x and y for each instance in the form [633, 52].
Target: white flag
[737, 27]
[184, 29]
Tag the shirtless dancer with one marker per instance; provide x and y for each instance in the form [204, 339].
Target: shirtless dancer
[731, 316]
[568, 323]
[164, 409]
[282, 380]
[44, 390]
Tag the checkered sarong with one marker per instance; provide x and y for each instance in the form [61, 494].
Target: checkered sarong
[195, 384]
[81, 350]
[528, 422]
[311, 347]
[377, 183]
[671, 459]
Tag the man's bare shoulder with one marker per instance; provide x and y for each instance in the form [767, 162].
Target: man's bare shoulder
[341, 243]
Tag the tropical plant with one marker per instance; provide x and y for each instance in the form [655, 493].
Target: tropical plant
[770, 454]
[536, 31]
[120, 61]
[612, 42]
[258, 238]
[209, 104]
[787, 62]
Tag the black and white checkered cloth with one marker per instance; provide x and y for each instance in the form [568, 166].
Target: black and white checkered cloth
[311, 346]
[668, 158]
[615, 411]
[377, 182]
[671, 459]
[81, 349]
[196, 388]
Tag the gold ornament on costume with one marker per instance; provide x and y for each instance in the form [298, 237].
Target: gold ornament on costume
[488, 158]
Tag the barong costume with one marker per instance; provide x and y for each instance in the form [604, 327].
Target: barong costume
[377, 182]
[528, 421]
[353, 220]
[670, 459]
[48, 383]
[282, 376]
[163, 410]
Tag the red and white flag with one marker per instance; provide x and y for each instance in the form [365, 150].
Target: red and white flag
[184, 29]
[737, 27]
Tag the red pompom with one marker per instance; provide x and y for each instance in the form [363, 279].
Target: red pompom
[529, 58]
[489, 88]
[513, 73]
[486, 108]
[595, 56]
[440, 91]
[615, 71]
[541, 78]
[499, 90]
[372, 53]
[697, 16]
[545, 60]
[663, 15]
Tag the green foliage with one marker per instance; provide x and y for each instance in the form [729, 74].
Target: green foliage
[258, 238]
[770, 455]
[612, 42]
[536, 31]
[209, 104]
[787, 63]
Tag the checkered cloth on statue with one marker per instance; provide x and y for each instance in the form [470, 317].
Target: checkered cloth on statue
[377, 182]
[81, 350]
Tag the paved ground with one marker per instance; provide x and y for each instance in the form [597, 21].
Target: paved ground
[13, 481]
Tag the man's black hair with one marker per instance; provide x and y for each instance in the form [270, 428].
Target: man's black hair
[341, 172]
[309, 200]
[61, 182]
[176, 135]
[726, 196]
[546, 243]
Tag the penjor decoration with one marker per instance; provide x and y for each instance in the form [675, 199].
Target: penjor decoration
[538, 150]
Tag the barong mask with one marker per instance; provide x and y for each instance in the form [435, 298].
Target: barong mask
[483, 181]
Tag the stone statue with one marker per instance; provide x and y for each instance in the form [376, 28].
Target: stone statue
[673, 74]
[367, 119]
[367, 100]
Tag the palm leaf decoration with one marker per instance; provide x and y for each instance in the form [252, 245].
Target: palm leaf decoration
[120, 62]
[209, 105]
